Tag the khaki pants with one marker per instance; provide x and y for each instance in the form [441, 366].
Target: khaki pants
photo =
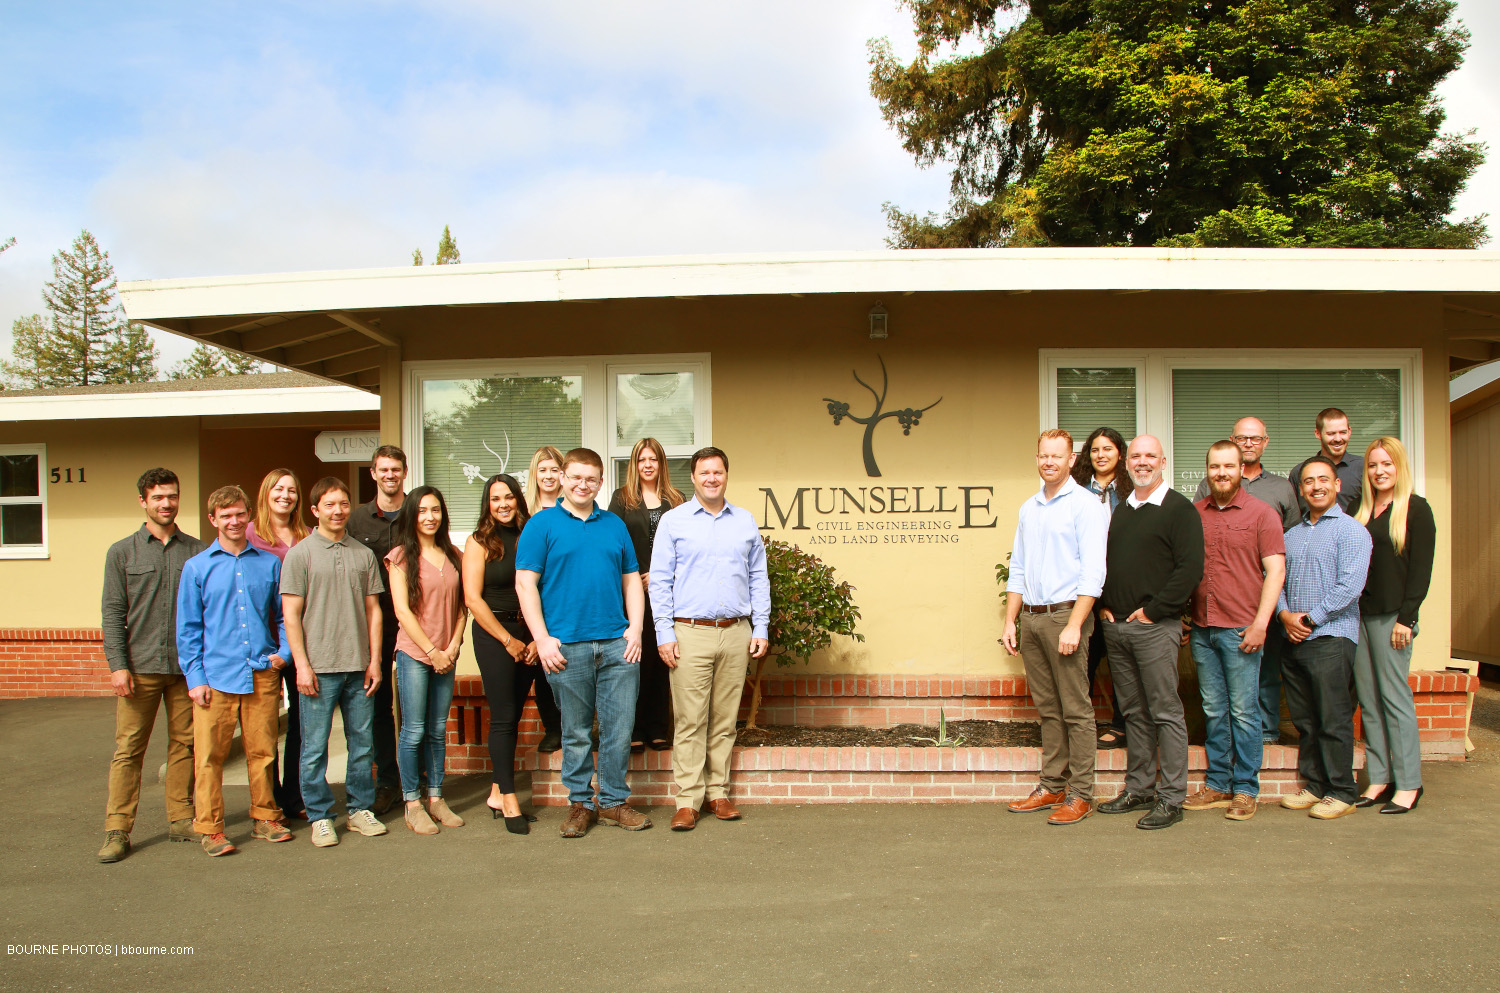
[135, 716]
[1059, 687]
[706, 689]
[257, 714]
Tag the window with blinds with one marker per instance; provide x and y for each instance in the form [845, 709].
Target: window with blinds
[1089, 398]
[474, 428]
[1207, 402]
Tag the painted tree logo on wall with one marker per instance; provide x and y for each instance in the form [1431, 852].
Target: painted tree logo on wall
[907, 416]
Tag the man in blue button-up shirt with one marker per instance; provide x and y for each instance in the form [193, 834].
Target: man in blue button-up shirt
[711, 599]
[232, 645]
[1327, 557]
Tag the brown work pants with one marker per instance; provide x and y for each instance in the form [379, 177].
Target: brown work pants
[257, 713]
[1059, 687]
[135, 716]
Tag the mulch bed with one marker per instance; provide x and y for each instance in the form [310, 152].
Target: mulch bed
[975, 734]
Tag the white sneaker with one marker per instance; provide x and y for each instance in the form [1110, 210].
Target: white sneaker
[1301, 800]
[323, 834]
[366, 823]
[1330, 807]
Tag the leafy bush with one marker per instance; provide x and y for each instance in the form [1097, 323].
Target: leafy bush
[809, 605]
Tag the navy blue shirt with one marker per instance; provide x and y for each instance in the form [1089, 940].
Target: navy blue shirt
[580, 564]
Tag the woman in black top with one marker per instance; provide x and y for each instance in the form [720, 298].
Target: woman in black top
[1404, 539]
[1100, 468]
[503, 645]
[647, 494]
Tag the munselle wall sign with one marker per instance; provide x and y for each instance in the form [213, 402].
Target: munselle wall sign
[888, 514]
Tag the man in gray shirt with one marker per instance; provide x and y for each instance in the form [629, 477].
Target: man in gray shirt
[139, 617]
[330, 596]
[1334, 432]
[1250, 435]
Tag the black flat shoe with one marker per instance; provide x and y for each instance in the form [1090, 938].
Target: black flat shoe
[1383, 796]
[637, 747]
[659, 744]
[1126, 802]
[1396, 808]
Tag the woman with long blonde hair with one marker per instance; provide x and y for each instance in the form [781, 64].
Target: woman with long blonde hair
[544, 479]
[276, 527]
[647, 494]
[1404, 538]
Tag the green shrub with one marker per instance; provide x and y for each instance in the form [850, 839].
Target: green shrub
[809, 605]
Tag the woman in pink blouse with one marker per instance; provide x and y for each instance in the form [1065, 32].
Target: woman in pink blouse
[427, 592]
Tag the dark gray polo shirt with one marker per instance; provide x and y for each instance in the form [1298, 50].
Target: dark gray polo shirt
[139, 606]
[1271, 488]
[333, 578]
[1351, 472]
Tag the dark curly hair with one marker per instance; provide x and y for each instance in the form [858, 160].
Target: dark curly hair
[1083, 467]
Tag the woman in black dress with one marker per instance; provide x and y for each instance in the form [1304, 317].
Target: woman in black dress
[1101, 468]
[647, 494]
[503, 645]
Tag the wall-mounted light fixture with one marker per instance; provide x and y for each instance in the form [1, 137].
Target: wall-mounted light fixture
[879, 322]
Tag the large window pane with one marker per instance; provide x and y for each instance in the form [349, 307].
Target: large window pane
[677, 474]
[1207, 402]
[1096, 398]
[474, 428]
[20, 476]
[21, 524]
[654, 405]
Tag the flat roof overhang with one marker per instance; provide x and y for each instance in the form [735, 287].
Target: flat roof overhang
[336, 324]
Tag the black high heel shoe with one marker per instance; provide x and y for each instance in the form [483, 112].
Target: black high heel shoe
[1383, 796]
[1395, 808]
[518, 824]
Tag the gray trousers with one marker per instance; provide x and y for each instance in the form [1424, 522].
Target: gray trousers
[1388, 713]
[1059, 687]
[1143, 661]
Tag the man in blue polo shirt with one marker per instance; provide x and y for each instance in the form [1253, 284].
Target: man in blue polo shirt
[580, 592]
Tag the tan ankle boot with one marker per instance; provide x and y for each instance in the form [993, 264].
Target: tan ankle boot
[418, 821]
[439, 810]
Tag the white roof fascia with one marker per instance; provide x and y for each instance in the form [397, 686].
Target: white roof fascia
[876, 272]
[1474, 379]
[187, 403]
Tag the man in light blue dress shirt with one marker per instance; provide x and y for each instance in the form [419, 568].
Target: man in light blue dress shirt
[711, 600]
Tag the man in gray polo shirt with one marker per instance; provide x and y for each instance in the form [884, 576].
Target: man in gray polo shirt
[330, 595]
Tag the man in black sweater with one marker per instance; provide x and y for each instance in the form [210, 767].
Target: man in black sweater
[1154, 562]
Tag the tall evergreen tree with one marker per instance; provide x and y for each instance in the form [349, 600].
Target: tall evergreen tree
[416, 256]
[447, 252]
[85, 339]
[1183, 122]
[207, 362]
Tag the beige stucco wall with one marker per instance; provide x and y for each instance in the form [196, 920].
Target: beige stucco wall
[84, 519]
[935, 607]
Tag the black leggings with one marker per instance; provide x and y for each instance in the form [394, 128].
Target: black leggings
[1096, 655]
[653, 713]
[506, 684]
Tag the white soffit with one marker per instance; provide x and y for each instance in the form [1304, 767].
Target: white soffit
[194, 403]
[877, 272]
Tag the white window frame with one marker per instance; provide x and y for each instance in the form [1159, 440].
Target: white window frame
[598, 403]
[702, 409]
[29, 551]
[1154, 388]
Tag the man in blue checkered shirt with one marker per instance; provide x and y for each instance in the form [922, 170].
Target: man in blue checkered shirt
[1327, 556]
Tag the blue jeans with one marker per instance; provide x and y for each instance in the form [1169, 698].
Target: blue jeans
[597, 679]
[1229, 681]
[344, 691]
[1270, 682]
[425, 697]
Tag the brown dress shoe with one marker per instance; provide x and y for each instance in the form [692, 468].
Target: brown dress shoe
[685, 819]
[1206, 799]
[580, 818]
[1075, 810]
[1040, 799]
[722, 808]
[625, 816]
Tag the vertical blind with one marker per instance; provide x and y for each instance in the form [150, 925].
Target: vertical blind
[1089, 398]
[1207, 402]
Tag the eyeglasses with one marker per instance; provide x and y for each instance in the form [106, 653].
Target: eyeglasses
[592, 482]
[1252, 439]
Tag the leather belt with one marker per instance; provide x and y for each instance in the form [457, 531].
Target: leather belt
[727, 622]
[507, 615]
[1048, 608]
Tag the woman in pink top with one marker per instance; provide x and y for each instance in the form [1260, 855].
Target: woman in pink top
[277, 526]
[427, 592]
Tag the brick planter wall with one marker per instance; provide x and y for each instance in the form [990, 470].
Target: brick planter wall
[44, 662]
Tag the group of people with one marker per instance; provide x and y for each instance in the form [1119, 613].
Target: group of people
[557, 590]
[1311, 585]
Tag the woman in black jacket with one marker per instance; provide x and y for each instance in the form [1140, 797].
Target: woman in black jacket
[1404, 537]
[1100, 468]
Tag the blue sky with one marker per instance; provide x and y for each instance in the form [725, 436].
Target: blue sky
[223, 138]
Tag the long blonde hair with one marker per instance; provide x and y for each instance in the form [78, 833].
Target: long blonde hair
[630, 493]
[1402, 498]
[263, 507]
[533, 492]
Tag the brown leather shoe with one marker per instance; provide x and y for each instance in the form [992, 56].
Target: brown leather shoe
[625, 816]
[685, 819]
[1075, 810]
[722, 808]
[1206, 799]
[580, 818]
[1040, 799]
